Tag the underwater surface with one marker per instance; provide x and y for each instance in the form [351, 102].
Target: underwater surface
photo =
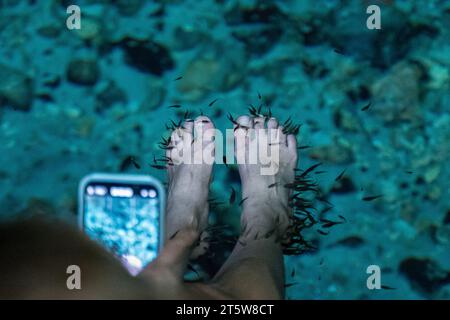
[373, 104]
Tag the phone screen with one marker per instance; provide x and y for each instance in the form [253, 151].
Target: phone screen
[125, 218]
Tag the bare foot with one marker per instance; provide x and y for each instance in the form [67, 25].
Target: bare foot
[187, 200]
[265, 211]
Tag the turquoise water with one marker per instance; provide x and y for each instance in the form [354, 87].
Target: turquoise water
[372, 102]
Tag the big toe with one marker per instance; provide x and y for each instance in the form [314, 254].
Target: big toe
[204, 129]
[244, 122]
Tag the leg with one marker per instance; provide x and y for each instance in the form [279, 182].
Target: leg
[255, 268]
[187, 205]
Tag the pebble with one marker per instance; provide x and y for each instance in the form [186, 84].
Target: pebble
[211, 73]
[396, 95]
[338, 152]
[432, 173]
[90, 29]
[16, 89]
[156, 92]
[83, 71]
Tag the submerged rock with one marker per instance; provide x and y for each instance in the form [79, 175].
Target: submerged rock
[128, 7]
[147, 56]
[424, 274]
[16, 89]
[91, 29]
[259, 26]
[396, 95]
[109, 95]
[155, 94]
[339, 152]
[214, 71]
[83, 71]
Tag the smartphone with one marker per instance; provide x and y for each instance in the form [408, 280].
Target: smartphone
[124, 213]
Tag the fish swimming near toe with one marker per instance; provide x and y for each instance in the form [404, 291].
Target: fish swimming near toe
[232, 196]
[366, 107]
[212, 102]
[340, 175]
[370, 198]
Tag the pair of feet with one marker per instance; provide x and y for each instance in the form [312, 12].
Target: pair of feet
[265, 210]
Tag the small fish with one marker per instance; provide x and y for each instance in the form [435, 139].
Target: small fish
[321, 262]
[175, 106]
[253, 111]
[232, 196]
[134, 162]
[174, 235]
[303, 147]
[343, 218]
[259, 96]
[244, 229]
[387, 287]
[340, 175]
[269, 234]
[242, 243]
[326, 210]
[366, 107]
[320, 172]
[127, 162]
[322, 199]
[293, 273]
[273, 184]
[370, 198]
[287, 285]
[212, 102]
[214, 203]
[165, 159]
[322, 232]
[190, 267]
[157, 166]
[239, 126]
[242, 201]
[178, 124]
[328, 223]
[287, 121]
[269, 114]
[179, 78]
[230, 117]
[339, 52]
[310, 169]
[45, 97]
[409, 172]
